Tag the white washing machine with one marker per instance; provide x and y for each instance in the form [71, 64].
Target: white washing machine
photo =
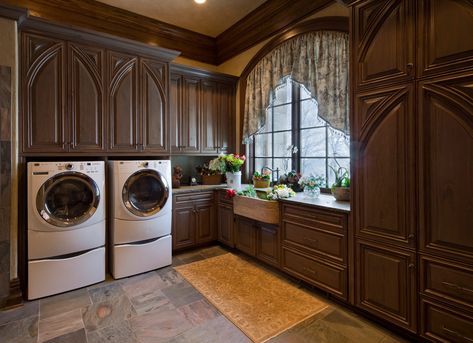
[141, 216]
[66, 226]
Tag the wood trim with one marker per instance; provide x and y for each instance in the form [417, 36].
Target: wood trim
[97, 16]
[326, 23]
[14, 299]
[202, 73]
[14, 13]
[271, 18]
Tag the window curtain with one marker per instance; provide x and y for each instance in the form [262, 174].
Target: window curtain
[319, 61]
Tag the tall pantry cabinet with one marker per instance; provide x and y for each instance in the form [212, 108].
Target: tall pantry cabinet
[412, 129]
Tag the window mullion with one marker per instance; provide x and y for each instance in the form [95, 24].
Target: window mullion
[296, 139]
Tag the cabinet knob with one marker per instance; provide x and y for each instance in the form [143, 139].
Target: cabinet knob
[412, 265]
[410, 65]
[411, 236]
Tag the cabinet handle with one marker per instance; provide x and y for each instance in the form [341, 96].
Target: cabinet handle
[312, 240]
[411, 236]
[412, 265]
[410, 66]
[314, 272]
[456, 333]
[457, 287]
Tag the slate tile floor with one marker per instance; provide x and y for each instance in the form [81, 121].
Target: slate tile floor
[160, 306]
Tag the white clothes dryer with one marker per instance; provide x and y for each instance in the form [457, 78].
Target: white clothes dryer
[141, 215]
[66, 226]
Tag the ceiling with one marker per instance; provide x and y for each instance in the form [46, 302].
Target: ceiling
[210, 18]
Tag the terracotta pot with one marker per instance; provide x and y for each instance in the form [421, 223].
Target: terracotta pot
[341, 193]
[261, 183]
[212, 179]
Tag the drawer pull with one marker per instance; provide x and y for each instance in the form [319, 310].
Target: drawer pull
[312, 240]
[456, 334]
[309, 270]
[457, 287]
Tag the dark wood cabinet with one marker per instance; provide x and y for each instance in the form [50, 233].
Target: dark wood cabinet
[154, 106]
[267, 243]
[202, 111]
[194, 219]
[245, 238]
[83, 93]
[384, 35]
[225, 226]
[43, 76]
[384, 168]
[123, 102]
[386, 283]
[87, 91]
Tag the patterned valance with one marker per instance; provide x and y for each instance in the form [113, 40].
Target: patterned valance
[319, 61]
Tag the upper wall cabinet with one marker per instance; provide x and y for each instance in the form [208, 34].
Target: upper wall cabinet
[384, 35]
[445, 28]
[83, 93]
[43, 93]
[202, 111]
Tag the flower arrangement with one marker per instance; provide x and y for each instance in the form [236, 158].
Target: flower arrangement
[280, 192]
[292, 180]
[312, 181]
[263, 179]
[230, 193]
[233, 162]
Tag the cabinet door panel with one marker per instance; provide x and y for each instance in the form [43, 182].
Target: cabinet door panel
[154, 119]
[87, 102]
[183, 224]
[267, 244]
[445, 28]
[446, 140]
[384, 169]
[123, 107]
[226, 104]
[43, 77]
[209, 117]
[245, 235]
[190, 123]
[205, 213]
[175, 108]
[225, 225]
[384, 32]
[386, 283]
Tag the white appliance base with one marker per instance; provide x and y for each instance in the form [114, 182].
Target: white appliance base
[131, 259]
[129, 231]
[53, 276]
[44, 244]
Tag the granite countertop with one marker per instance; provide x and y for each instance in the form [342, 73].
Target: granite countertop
[323, 201]
[197, 188]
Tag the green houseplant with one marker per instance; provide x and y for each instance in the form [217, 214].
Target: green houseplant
[341, 186]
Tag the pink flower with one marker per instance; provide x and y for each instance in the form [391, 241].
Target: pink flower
[243, 158]
[230, 193]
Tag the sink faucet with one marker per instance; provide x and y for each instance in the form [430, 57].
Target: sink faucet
[272, 172]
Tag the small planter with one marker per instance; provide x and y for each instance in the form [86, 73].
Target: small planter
[234, 180]
[261, 183]
[341, 193]
[212, 179]
[265, 211]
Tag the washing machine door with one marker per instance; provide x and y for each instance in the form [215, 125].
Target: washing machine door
[145, 192]
[68, 199]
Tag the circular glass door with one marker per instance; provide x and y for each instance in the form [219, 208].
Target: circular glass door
[68, 199]
[145, 193]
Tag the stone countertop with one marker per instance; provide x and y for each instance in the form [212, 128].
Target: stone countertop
[323, 201]
[197, 188]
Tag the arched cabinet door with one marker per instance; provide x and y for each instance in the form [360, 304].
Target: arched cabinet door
[43, 94]
[123, 102]
[384, 33]
[445, 36]
[385, 201]
[446, 165]
[86, 108]
[154, 107]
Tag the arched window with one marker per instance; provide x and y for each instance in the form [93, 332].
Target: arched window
[295, 101]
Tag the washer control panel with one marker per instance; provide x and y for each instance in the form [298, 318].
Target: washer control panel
[94, 167]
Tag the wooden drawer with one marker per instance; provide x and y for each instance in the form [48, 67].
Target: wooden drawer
[186, 197]
[308, 216]
[446, 280]
[445, 325]
[328, 277]
[328, 244]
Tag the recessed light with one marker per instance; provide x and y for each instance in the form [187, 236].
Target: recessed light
[200, 1]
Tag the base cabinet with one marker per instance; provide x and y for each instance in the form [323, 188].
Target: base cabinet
[246, 235]
[194, 220]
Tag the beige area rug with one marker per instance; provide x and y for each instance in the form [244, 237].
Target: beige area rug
[261, 304]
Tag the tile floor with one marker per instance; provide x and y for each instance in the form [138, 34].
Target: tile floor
[160, 306]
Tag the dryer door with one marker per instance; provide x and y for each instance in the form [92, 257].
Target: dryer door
[145, 192]
[68, 199]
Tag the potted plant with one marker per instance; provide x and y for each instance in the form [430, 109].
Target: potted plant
[262, 180]
[233, 164]
[291, 179]
[209, 176]
[341, 186]
[311, 185]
